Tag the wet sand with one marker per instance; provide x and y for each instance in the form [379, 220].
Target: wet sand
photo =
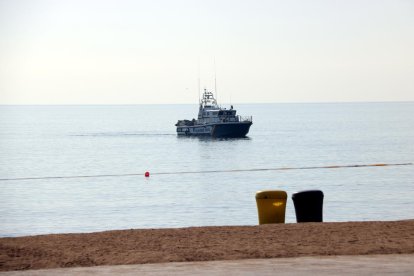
[140, 246]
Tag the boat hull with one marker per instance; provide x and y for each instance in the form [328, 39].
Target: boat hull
[231, 130]
[221, 130]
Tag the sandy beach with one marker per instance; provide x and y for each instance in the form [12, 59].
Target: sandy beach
[140, 246]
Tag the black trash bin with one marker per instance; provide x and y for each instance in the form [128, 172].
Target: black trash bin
[308, 205]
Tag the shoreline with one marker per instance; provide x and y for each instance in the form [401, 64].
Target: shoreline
[210, 243]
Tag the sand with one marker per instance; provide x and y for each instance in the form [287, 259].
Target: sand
[386, 264]
[141, 246]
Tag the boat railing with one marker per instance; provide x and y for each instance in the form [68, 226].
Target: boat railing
[245, 118]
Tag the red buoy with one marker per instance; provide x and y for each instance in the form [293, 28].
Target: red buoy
[146, 174]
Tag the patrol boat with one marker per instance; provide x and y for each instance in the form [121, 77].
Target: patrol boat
[215, 121]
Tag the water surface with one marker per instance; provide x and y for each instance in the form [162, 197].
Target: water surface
[37, 141]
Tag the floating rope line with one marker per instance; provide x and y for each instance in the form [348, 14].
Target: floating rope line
[200, 172]
[287, 168]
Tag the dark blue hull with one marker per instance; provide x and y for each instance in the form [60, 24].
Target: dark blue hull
[219, 130]
[231, 130]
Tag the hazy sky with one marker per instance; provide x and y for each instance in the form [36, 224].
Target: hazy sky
[134, 52]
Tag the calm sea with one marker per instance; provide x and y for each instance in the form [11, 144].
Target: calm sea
[39, 141]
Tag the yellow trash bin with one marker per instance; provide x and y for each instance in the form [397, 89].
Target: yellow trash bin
[271, 206]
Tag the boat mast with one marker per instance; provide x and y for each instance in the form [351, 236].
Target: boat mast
[199, 100]
[215, 80]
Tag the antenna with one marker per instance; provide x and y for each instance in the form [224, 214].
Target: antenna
[199, 80]
[215, 79]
